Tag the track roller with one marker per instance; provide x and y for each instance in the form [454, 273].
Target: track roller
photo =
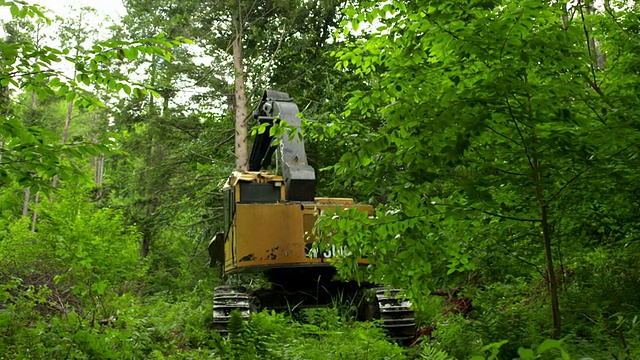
[396, 314]
[225, 300]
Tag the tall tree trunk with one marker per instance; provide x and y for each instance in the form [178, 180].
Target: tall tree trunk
[25, 203]
[597, 55]
[27, 191]
[552, 285]
[98, 173]
[34, 219]
[65, 134]
[153, 158]
[146, 245]
[97, 163]
[240, 96]
[67, 122]
[5, 109]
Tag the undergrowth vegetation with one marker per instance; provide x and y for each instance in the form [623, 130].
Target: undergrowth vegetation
[76, 289]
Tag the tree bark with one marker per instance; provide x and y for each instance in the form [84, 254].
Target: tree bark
[34, 219]
[78, 36]
[146, 245]
[65, 134]
[97, 162]
[552, 285]
[4, 108]
[99, 169]
[67, 122]
[25, 203]
[240, 97]
[597, 55]
[27, 191]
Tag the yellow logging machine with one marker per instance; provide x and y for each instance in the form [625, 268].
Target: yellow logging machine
[268, 222]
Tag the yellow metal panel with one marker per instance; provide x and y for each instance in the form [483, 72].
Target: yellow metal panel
[275, 234]
[269, 234]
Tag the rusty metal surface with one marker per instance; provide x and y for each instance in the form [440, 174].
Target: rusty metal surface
[275, 235]
[269, 234]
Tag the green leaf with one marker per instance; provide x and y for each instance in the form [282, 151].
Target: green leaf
[139, 93]
[131, 53]
[549, 344]
[15, 11]
[526, 354]
[99, 287]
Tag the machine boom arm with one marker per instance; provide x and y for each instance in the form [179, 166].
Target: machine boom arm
[299, 176]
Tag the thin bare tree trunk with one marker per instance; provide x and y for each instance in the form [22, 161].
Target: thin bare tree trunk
[240, 97]
[4, 97]
[146, 246]
[27, 191]
[597, 55]
[34, 219]
[97, 162]
[67, 122]
[99, 169]
[65, 134]
[99, 176]
[154, 156]
[25, 203]
[552, 285]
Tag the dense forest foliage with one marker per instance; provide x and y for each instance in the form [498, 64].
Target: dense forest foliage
[498, 141]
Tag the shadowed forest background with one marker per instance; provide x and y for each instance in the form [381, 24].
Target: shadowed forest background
[498, 141]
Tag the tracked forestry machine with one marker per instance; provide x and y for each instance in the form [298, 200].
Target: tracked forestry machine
[268, 220]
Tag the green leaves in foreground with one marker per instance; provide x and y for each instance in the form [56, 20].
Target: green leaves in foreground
[549, 345]
[491, 140]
